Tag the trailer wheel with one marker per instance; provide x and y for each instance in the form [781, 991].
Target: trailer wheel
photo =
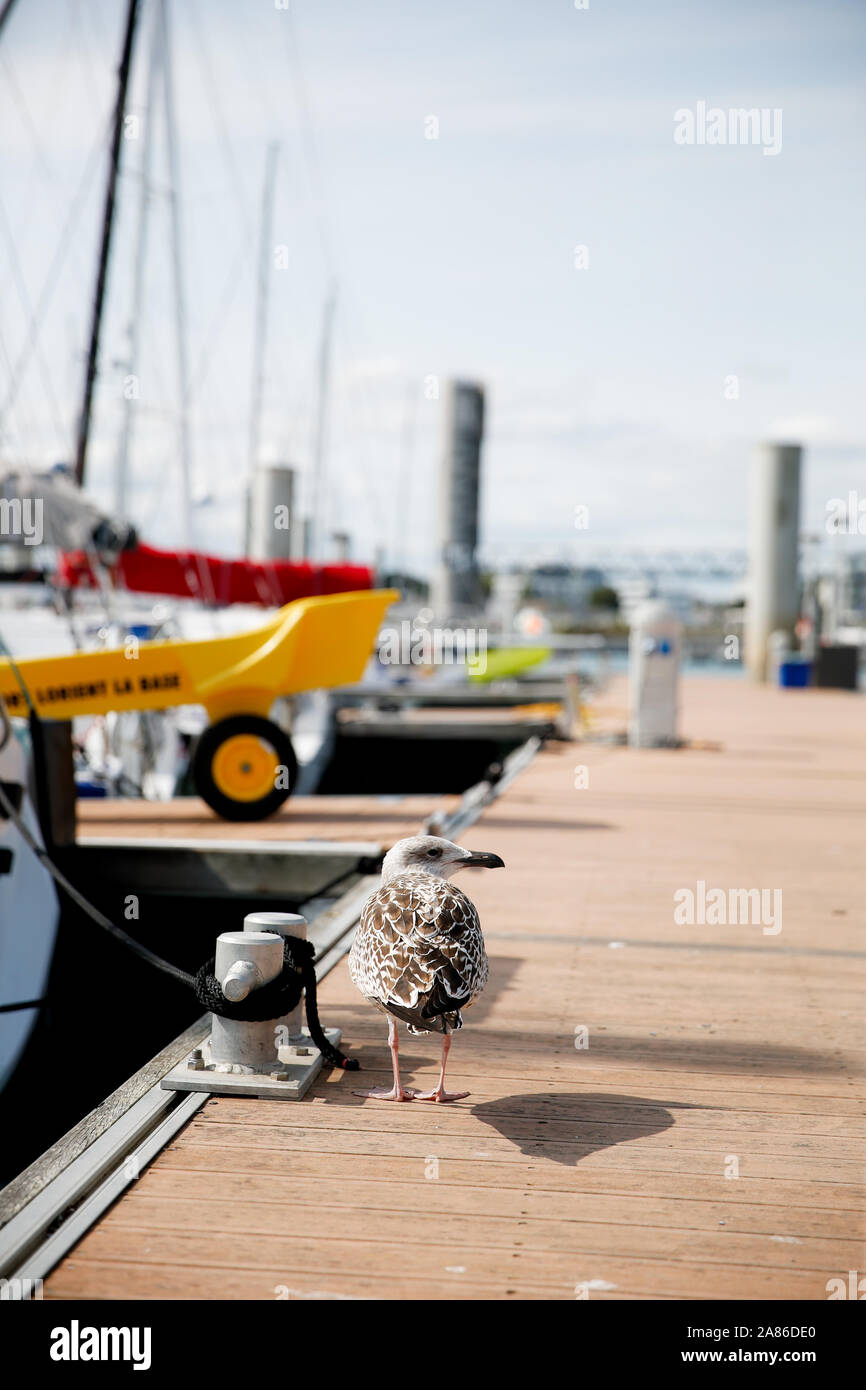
[244, 767]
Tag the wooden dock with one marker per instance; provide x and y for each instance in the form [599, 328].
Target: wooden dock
[708, 1141]
[382, 819]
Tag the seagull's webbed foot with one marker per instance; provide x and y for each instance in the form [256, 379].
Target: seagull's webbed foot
[440, 1095]
[384, 1093]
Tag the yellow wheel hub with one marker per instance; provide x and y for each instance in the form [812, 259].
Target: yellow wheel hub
[245, 767]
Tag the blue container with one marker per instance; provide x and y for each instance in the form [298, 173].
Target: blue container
[795, 674]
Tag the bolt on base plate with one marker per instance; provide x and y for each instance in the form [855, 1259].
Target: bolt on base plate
[288, 1078]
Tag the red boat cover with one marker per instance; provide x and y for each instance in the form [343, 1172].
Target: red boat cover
[191, 574]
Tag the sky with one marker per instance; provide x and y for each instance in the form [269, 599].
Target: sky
[717, 300]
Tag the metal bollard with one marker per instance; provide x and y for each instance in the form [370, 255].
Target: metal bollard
[275, 1058]
[245, 960]
[283, 924]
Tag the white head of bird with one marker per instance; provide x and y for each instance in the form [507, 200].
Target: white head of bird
[430, 854]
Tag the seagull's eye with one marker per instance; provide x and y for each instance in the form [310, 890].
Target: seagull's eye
[434, 854]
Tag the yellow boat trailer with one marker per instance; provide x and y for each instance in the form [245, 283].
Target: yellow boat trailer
[244, 766]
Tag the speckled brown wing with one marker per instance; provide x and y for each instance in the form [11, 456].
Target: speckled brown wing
[418, 952]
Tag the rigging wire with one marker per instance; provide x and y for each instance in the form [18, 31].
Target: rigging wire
[27, 307]
[27, 119]
[52, 276]
[82, 49]
[218, 320]
[212, 91]
[7, 362]
[66, 243]
[245, 220]
[325, 219]
[244, 216]
[309, 144]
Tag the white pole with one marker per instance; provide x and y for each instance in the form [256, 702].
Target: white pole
[402, 500]
[272, 526]
[455, 580]
[774, 519]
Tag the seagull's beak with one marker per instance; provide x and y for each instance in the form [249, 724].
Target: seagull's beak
[479, 859]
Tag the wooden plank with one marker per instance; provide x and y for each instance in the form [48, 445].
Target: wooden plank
[292, 1259]
[550, 1221]
[759, 1159]
[185, 1227]
[564, 1134]
[153, 1281]
[346, 1168]
[172, 1186]
[559, 1114]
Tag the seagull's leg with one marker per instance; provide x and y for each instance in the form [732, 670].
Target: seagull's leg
[440, 1094]
[397, 1092]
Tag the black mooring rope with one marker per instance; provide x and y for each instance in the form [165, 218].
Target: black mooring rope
[297, 975]
[22, 1004]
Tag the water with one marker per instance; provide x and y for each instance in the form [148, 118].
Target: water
[615, 663]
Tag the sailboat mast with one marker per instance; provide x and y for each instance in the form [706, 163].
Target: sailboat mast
[105, 245]
[261, 324]
[177, 264]
[5, 12]
[317, 509]
[121, 473]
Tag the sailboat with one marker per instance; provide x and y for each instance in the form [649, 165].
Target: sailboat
[29, 910]
[146, 754]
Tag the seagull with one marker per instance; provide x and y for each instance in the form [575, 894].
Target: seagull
[418, 953]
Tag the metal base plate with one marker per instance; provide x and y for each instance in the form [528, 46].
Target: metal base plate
[301, 1063]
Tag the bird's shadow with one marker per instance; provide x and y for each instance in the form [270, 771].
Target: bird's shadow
[566, 1127]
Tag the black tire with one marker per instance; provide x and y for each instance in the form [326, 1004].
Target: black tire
[209, 745]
